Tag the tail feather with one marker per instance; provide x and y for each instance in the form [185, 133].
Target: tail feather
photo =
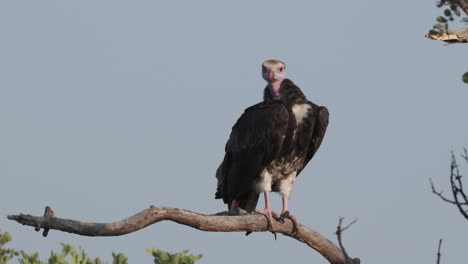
[220, 176]
[249, 203]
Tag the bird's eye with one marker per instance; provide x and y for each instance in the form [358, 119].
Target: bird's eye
[281, 69]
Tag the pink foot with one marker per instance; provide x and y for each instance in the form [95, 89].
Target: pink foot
[269, 215]
[294, 220]
[268, 212]
[285, 214]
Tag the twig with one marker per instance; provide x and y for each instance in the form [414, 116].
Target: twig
[434, 191]
[460, 197]
[216, 223]
[438, 252]
[457, 187]
[465, 156]
[339, 231]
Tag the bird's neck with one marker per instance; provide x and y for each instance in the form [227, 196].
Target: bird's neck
[275, 87]
[287, 92]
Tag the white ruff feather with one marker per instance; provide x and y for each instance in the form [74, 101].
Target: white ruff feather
[300, 111]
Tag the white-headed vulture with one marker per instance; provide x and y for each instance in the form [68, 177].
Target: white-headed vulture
[270, 145]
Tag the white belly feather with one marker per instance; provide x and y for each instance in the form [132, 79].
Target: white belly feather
[284, 182]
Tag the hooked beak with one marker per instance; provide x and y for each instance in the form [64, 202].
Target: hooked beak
[271, 75]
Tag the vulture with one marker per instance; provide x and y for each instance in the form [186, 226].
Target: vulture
[269, 146]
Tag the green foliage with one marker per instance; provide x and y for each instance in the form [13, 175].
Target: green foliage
[465, 77]
[447, 13]
[119, 258]
[5, 238]
[442, 25]
[31, 259]
[455, 9]
[162, 257]
[69, 255]
[6, 254]
[441, 19]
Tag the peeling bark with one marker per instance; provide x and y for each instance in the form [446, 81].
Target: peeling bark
[214, 223]
[452, 36]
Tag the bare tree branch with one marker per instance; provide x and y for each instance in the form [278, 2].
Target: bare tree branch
[339, 232]
[460, 198]
[216, 223]
[48, 213]
[438, 252]
[457, 187]
[465, 155]
[434, 191]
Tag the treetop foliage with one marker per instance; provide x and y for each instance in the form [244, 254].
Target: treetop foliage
[162, 257]
[69, 255]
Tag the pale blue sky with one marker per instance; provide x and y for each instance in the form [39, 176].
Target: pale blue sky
[107, 107]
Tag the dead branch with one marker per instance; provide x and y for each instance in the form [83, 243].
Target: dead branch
[434, 191]
[48, 213]
[339, 232]
[216, 223]
[451, 36]
[465, 155]
[460, 198]
[459, 194]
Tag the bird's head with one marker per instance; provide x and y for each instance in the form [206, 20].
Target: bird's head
[273, 72]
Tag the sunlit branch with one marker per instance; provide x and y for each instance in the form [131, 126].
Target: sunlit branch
[215, 223]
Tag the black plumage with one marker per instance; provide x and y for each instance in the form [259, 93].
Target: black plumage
[270, 144]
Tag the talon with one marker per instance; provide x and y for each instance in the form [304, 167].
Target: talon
[294, 231]
[270, 228]
[283, 216]
[268, 214]
[277, 217]
[294, 221]
[269, 225]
